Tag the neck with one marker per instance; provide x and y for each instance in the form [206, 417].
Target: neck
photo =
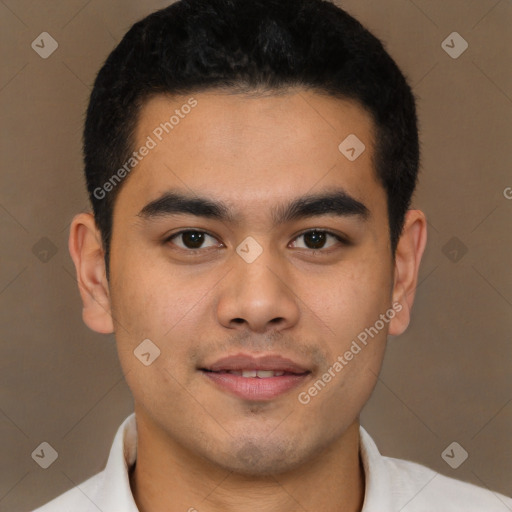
[167, 477]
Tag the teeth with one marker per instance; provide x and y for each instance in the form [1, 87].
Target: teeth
[262, 374]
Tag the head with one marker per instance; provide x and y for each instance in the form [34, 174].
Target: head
[214, 144]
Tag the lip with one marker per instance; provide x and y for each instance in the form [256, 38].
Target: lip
[256, 388]
[249, 362]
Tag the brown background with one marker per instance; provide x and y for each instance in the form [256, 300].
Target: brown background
[446, 379]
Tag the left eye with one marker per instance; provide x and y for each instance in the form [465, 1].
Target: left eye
[192, 239]
[316, 239]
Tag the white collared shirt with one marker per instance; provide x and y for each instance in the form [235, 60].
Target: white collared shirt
[392, 485]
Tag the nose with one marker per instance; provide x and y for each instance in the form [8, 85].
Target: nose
[257, 296]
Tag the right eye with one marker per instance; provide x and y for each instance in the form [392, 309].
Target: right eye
[191, 239]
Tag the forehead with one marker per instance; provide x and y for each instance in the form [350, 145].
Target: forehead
[252, 149]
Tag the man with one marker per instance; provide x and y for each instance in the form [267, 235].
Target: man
[251, 167]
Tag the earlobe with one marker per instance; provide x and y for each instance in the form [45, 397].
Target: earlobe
[87, 253]
[407, 263]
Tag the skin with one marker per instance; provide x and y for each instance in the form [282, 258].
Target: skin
[200, 446]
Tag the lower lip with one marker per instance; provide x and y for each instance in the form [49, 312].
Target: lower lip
[254, 388]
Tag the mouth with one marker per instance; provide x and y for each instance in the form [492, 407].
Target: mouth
[255, 378]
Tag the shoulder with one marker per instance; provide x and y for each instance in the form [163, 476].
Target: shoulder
[110, 488]
[77, 499]
[417, 488]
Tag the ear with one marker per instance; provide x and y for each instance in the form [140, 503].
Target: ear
[86, 250]
[407, 263]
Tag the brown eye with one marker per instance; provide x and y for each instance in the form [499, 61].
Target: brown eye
[191, 239]
[316, 239]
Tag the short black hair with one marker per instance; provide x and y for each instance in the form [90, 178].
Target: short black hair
[244, 46]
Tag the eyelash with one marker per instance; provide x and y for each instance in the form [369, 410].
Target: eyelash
[344, 241]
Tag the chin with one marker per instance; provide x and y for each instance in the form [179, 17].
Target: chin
[259, 458]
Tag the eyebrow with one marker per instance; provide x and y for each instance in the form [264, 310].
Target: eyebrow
[336, 202]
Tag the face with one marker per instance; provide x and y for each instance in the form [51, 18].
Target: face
[256, 306]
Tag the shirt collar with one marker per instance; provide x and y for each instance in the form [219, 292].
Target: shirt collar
[377, 495]
[115, 493]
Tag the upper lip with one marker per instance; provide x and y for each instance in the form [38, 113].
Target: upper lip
[240, 362]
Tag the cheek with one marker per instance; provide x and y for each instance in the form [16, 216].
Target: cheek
[359, 340]
[163, 305]
[154, 317]
[350, 300]
[151, 299]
